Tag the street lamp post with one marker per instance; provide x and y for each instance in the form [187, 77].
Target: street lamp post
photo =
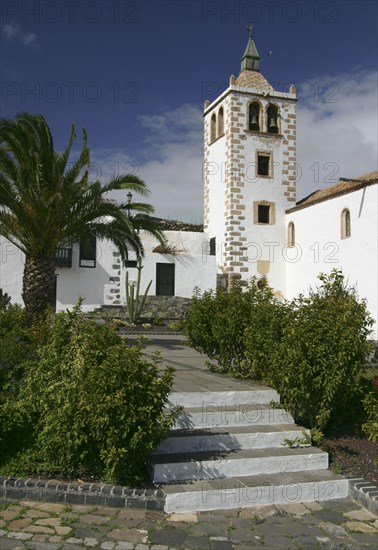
[129, 199]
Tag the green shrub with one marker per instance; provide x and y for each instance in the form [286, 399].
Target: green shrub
[317, 364]
[18, 347]
[93, 405]
[264, 330]
[197, 326]
[370, 427]
[215, 325]
[229, 321]
[237, 328]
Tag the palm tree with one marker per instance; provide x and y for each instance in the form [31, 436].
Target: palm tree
[47, 203]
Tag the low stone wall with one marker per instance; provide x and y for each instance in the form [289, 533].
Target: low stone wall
[163, 307]
[166, 307]
[93, 494]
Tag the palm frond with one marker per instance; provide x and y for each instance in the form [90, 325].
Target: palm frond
[131, 182]
[46, 201]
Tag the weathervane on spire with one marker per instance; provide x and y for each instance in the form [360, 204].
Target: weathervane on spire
[250, 29]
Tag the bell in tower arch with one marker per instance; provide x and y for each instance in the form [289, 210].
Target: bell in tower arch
[254, 123]
[273, 128]
[272, 119]
[254, 114]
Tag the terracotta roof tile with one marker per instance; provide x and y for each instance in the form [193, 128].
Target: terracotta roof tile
[344, 186]
[371, 176]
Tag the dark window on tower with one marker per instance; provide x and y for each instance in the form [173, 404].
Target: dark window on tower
[212, 246]
[131, 263]
[263, 213]
[88, 252]
[263, 165]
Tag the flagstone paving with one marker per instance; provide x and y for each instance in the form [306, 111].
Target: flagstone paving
[341, 524]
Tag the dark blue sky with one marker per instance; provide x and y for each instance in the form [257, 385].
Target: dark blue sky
[105, 64]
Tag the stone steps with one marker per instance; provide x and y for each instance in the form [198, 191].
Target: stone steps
[232, 438]
[240, 462]
[214, 415]
[208, 399]
[227, 450]
[251, 491]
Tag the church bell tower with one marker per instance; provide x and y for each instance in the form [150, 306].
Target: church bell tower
[250, 173]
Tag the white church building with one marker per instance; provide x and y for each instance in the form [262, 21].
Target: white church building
[253, 224]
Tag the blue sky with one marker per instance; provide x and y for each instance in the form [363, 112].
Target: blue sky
[135, 75]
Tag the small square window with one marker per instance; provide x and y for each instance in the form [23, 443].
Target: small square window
[263, 165]
[263, 213]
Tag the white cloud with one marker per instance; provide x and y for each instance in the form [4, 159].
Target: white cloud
[176, 182]
[13, 31]
[336, 129]
[174, 173]
[170, 163]
[29, 38]
[335, 139]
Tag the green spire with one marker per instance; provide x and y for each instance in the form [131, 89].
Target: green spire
[251, 59]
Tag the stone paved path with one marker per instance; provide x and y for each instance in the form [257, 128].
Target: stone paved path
[341, 525]
[191, 374]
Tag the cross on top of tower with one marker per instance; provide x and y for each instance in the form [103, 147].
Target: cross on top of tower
[250, 29]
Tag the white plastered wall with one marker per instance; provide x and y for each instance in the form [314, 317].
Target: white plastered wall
[320, 248]
[194, 267]
[85, 282]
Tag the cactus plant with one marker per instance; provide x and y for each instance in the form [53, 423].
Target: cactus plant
[135, 302]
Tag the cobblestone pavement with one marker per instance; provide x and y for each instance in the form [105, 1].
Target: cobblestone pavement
[341, 524]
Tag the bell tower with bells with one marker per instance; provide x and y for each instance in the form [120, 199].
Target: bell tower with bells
[250, 174]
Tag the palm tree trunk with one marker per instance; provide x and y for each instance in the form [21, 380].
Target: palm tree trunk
[38, 285]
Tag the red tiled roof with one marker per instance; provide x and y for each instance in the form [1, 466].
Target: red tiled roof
[344, 186]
